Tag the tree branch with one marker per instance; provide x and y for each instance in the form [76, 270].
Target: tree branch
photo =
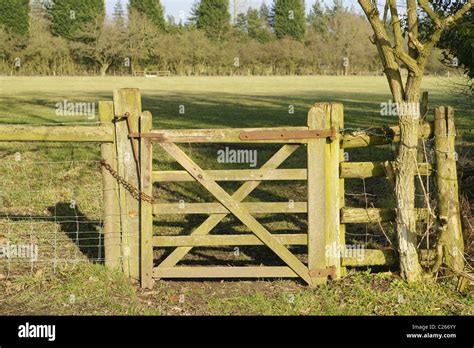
[410, 62]
[441, 25]
[430, 12]
[413, 50]
[386, 52]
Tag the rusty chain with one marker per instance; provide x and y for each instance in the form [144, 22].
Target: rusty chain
[134, 191]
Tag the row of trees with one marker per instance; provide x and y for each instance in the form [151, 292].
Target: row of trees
[64, 37]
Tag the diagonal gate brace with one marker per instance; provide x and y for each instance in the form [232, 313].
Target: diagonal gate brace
[237, 210]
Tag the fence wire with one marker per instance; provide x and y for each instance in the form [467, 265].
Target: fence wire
[378, 192]
[51, 211]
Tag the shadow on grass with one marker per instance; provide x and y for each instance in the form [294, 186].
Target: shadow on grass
[84, 233]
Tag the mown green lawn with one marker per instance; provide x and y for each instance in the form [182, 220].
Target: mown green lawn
[36, 195]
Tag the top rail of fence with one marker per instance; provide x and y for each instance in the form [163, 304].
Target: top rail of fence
[32, 133]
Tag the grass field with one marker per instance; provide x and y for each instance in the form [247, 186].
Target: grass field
[36, 194]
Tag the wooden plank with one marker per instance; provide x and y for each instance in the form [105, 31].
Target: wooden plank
[127, 100]
[228, 135]
[242, 192]
[374, 215]
[57, 133]
[385, 257]
[275, 135]
[451, 237]
[381, 136]
[334, 115]
[316, 152]
[233, 175]
[362, 170]
[342, 204]
[237, 210]
[146, 208]
[112, 228]
[217, 208]
[222, 240]
[225, 272]
[370, 257]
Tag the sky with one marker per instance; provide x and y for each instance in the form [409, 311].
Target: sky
[181, 8]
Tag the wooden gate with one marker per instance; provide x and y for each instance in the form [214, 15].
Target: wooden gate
[321, 138]
[132, 197]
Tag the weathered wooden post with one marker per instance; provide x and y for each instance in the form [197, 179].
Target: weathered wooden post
[324, 195]
[112, 228]
[146, 208]
[316, 151]
[335, 238]
[447, 188]
[127, 110]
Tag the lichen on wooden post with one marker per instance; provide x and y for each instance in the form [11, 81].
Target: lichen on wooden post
[112, 228]
[146, 208]
[316, 152]
[334, 192]
[127, 103]
[324, 193]
[450, 241]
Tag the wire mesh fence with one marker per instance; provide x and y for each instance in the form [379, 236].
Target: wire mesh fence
[51, 212]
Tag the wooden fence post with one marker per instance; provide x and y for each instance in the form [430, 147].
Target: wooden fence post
[146, 208]
[316, 151]
[112, 228]
[447, 188]
[127, 102]
[337, 119]
[325, 240]
[335, 250]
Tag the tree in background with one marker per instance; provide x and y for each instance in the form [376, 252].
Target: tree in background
[68, 16]
[14, 16]
[288, 18]
[142, 39]
[318, 18]
[213, 17]
[44, 53]
[119, 15]
[255, 25]
[152, 9]
[103, 45]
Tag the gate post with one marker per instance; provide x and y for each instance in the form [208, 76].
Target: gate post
[324, 195]
[127, 110]
[451, 237]
[146, 208]
[316, 152]
[112, 228]
[335, 192]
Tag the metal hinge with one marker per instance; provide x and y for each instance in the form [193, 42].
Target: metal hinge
[323, 272]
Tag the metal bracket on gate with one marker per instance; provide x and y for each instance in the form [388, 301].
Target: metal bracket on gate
[290, 134]
[323, 272]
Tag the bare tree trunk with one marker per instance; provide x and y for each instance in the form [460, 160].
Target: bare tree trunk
[103, 69]
[405, 167]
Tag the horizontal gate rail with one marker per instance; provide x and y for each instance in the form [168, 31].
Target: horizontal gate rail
[226, 240]
[227, 135]
[234, 175]
[217, 208]
[225, 272]
[289, 134]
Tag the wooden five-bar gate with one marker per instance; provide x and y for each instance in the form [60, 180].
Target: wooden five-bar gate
[127, 139]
